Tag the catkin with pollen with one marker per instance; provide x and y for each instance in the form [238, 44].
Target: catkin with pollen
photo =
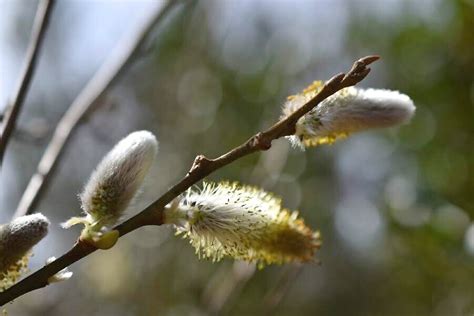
[16, 240]
[347, 111]
[242, 222]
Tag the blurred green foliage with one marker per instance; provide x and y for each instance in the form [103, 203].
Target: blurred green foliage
[200, 96]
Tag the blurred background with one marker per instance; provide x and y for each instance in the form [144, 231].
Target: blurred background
[394, 207]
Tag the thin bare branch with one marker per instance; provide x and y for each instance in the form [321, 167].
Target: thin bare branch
[40, 25]
[202, 166]
[275, 295]
[85, 103]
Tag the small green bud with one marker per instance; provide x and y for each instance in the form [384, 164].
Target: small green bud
[102, 241]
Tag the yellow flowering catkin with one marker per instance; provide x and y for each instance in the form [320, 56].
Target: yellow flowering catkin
[16, 240]
[242, 222]
[347, 111]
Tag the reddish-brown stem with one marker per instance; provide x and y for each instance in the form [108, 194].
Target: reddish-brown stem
[202, 166]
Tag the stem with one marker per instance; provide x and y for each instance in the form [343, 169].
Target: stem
[40, 25]
[202, 166]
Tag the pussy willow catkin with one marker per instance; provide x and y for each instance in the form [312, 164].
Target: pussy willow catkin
[115, 181]
[347, 111]
[16, 240]
[243, 222]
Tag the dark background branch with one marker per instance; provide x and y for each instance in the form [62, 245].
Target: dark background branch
[86, 102]
[40, 25]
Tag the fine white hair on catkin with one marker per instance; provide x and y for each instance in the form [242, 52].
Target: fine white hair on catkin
[242, 222]
[363, 109]
[347, 111]
[19, 236]
[117, 178]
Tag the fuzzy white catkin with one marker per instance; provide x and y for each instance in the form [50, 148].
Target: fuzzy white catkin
[243, 222]
[116, 180]
[19, 236]
[347, 111]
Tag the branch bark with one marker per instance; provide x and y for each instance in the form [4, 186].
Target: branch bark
[40, 25]
[85, 103]
[202, 166]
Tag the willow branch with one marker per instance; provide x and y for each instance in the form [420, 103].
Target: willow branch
[40, 25]
[202, 166]
[86, 102]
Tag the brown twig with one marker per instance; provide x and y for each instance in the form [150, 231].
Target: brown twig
[202, 166]
[85, 103]
[40, 25]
